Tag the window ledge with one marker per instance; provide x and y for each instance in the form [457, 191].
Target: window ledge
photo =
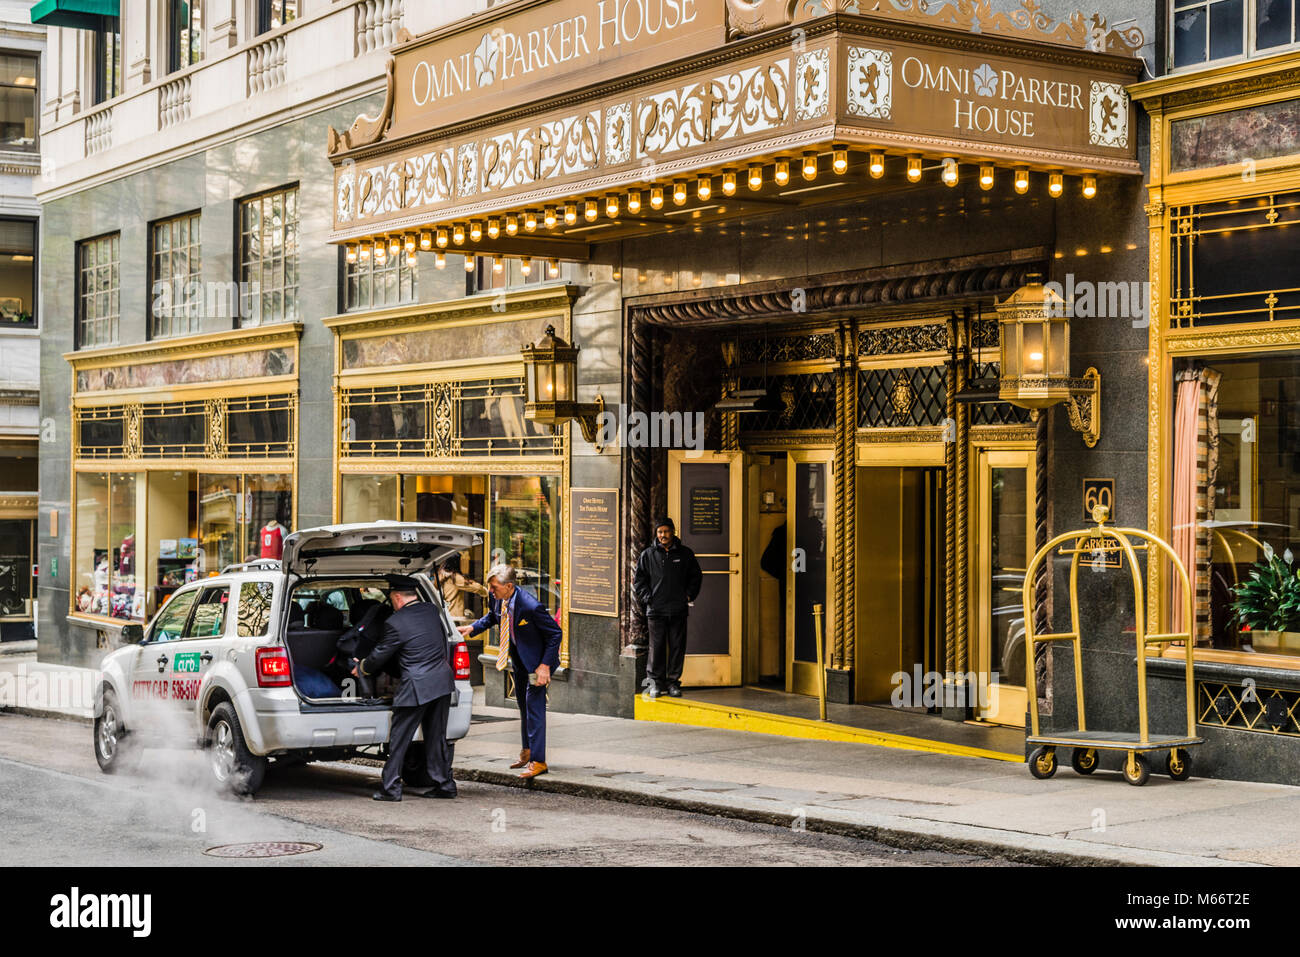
[1229, 666]
[101, 621]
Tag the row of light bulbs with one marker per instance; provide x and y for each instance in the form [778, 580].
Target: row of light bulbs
[551, 216]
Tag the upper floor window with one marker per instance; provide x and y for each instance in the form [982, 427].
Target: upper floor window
[1207, 31]
[268, 257]
[186, 47]
[17, 101]
[17, 272]
[275, 13]
[371, 284]
[107, 53]
[509, 274]
[176, 294]
[97, 291]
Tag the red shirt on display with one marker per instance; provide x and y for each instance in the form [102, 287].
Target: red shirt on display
[272, 541]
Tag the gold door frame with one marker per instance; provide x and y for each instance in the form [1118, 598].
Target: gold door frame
[713, 670]
[1007, 703]
[801, 676]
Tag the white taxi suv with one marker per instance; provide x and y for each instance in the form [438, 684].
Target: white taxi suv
[248, 665]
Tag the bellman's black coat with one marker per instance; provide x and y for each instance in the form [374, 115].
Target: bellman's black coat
[415, 635]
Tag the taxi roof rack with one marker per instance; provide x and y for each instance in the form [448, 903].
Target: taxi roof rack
[257, 564]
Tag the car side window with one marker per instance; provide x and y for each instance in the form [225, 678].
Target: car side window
[209, 619]
[170, 623]
[255, 608]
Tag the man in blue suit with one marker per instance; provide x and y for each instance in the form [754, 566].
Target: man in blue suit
[530, 644]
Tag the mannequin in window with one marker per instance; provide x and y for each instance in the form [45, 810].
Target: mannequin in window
[271, 539]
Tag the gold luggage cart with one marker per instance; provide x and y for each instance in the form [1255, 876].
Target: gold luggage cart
[1098, 541]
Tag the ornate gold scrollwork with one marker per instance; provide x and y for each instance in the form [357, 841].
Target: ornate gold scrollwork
[365, 129]
[1084, 409]
[132, 441]
[215, 447]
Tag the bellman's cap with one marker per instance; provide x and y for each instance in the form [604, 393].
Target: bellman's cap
[402, 583]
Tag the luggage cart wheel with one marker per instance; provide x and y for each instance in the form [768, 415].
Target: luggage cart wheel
[1084, 760]
[1179, 764]
[1136, 769]
[1042, 762]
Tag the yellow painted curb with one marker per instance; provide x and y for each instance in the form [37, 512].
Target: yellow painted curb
[704, 714]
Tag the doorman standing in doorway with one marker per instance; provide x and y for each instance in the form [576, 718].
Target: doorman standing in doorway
[666, 583]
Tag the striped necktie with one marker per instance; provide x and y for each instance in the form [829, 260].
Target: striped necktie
[507, 633]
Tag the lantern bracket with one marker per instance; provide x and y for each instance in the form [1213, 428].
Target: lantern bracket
[1082, 406]
[588, 420]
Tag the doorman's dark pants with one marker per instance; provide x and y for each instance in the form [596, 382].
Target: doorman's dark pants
[532, 711]
[667, 654]
[432, 718]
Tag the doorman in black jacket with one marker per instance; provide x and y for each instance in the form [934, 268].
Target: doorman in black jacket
[414, 634]
[667, 581]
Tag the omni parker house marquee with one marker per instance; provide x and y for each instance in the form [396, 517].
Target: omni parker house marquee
[550, 104]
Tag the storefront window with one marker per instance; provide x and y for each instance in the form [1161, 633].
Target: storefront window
[16, 568]
[526, 531]
[1236, 499]
[268, 510]
[369, 498]
[220, 511]
[106, 557]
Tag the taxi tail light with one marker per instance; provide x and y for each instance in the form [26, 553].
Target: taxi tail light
[273, 668]
[460, 662]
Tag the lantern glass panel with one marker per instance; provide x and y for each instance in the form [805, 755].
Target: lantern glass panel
[1010, 350]
[1059, 349]
[1032, 348]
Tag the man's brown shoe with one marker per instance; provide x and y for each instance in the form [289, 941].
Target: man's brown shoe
[534, 768]
[523, 760]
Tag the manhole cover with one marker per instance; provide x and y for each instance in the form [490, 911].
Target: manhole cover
[263, 849]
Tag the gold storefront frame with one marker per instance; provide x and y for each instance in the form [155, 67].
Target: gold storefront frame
[552, 303]
[1168, 100]
[281, 336]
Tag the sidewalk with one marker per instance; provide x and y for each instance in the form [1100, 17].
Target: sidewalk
[899, 797]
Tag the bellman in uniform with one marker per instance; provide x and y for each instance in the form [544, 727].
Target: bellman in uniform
[414, 634]
[530, 644]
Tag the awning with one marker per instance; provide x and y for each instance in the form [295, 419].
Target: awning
[75, 14]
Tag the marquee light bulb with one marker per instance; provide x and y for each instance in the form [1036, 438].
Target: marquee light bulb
[877, 166]
[809, 170]
[1022, 180]
[498, 265]
[656, 197]
[440, 260]
[411, 259]
[949, 171]
[363, 252]
[426, 240]
[840, 162]
[553, 268]
[458, 234]
[530, 221]
[679, 192]
[704, 188]
[1089, 187]
[914, 169]
[469, 263]
[526, 265]
[408, 242]
[570, 214]
[755, 177]
[1055, 184]
[549, 218]
[729, 182]
[494, 228]
[634, 202]
[986, 177]
[394, 245]
[611, 205]
[475, 231]
[351, 254]
[590, 211]
[781, 172]
[381, 253]
[512, 225]
[441, 239]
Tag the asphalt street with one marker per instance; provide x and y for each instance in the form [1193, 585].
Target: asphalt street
[60, 809]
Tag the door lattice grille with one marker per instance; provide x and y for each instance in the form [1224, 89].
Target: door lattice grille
[1264, 710]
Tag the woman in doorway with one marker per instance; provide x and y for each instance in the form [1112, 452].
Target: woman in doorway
[455, 586]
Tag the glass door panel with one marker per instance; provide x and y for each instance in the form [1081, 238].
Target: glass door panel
[809, 499]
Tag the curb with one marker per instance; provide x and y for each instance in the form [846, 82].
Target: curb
[954, 838]
[42, 713]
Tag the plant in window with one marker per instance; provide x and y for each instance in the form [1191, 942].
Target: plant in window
[1268, 603]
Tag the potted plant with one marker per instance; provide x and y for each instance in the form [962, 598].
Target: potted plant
[1268, 604]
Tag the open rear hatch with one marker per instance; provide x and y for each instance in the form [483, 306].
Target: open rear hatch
[375, 548]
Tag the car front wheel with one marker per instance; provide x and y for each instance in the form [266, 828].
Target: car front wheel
[114, 750]
[233, 766]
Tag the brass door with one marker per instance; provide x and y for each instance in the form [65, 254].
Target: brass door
[810, 498]
[705, 502]
[1005, 544]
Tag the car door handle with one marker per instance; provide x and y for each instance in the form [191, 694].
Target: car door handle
[162, 663]
[206, 657]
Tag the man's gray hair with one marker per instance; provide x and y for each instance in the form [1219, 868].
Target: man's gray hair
[503, 573]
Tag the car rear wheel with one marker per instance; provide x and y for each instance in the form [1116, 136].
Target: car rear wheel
[115, 752]
[233, 766]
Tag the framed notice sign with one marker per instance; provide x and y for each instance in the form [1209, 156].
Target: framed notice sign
[593, 551]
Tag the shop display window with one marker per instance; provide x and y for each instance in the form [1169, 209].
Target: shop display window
[16, 547]
[268, 510]
[526, 530]
[106, 559]
[1236, 499]
[368, 498]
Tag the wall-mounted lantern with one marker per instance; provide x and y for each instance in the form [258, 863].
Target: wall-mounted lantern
[1034, 332]
[550, 386]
